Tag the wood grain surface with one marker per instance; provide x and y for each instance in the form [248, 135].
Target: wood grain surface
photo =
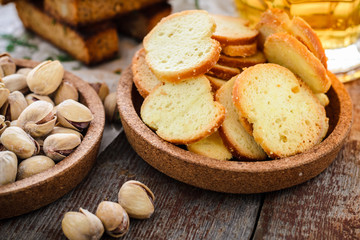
[326, 207]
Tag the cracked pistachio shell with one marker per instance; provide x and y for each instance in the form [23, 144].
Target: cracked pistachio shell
[74, 115]
[7, 64]
[4, 94]
[38, 119]
[24, 71]
[16, 82]
[137, 199]
[101, 88]
[14, 106]
[45, 78]
[3, 124]
[66, 91]
[58, 146]
[32, 97]
[82, 225]
[111, 110]
[114, 218]
[66, 130]
[8, 167]
[34, 165]
[15, 139]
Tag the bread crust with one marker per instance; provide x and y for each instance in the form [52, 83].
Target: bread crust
[223, 72]
[242, 62]
[215, 82]
[315, 74]
[245, 50]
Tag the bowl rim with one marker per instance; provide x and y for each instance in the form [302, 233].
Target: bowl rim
[334, 139]
[95, 129]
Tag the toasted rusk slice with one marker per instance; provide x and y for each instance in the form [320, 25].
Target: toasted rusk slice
[144, 79]
[223, 72]
[246, 50]
[242, 62]
[233, 30]
[323, 99]
[212, 147]
[180, 46]
[287, 51]
[215, 82]
[286, 117]
[241, 144]
[183, 113]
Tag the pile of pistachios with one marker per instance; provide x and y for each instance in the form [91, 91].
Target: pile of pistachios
[41, 120]
[135, 200]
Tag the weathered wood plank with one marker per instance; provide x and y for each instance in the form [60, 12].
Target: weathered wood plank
[182, 211]
[326, 207]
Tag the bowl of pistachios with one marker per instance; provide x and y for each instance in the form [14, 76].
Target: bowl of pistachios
[51, 125]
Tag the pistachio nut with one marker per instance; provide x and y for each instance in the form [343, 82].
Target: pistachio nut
[17, 140]
[45, 78]
[7, 64]
[101, 88]
[3, 124]
[8, 167]
[66, 91]
[72, 114]
[58, 129]
[114, 218]
[34, 165]
[16, 82]
[82, 225]
[24, 71]
[111, 111]
[14, 106]
[32, 97]
[58, 146]
[4, 94]
[38, 119]
[137, 199]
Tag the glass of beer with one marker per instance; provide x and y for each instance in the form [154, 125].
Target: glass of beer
[336, 22]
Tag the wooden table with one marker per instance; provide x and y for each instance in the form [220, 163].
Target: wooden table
[326, 207]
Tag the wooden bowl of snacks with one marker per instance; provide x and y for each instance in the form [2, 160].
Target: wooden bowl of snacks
[234, 176]
[70, 163]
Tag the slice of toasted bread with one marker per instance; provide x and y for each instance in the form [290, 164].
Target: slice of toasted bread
[223, 72]
[215, 82]
[323, 99]
[212, 147]
[286, 50]
[233, 30]
[236, 138]
[183, 113]
[144, 79]
[242, 62]
[90, 44]
[246, 50]
[286, 117]
[180, 46]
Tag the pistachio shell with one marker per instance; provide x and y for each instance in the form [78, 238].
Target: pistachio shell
[73, 115]
[65, 130]
[34, 165]
[66, 91]
[18, 141]
[111, 110]
[14, 106]
[114, 218]
[3, 124]
[101, 89]
[16, 82]
[58, 146]
[82, 225]
[38, 119]
[8, 167]
[45, 78]
[32, 97]
[7, 64]
[24, 71]
[137, 199]
[4, 94]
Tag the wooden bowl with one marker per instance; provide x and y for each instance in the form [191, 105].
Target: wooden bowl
[234, 176]
[41, 189]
